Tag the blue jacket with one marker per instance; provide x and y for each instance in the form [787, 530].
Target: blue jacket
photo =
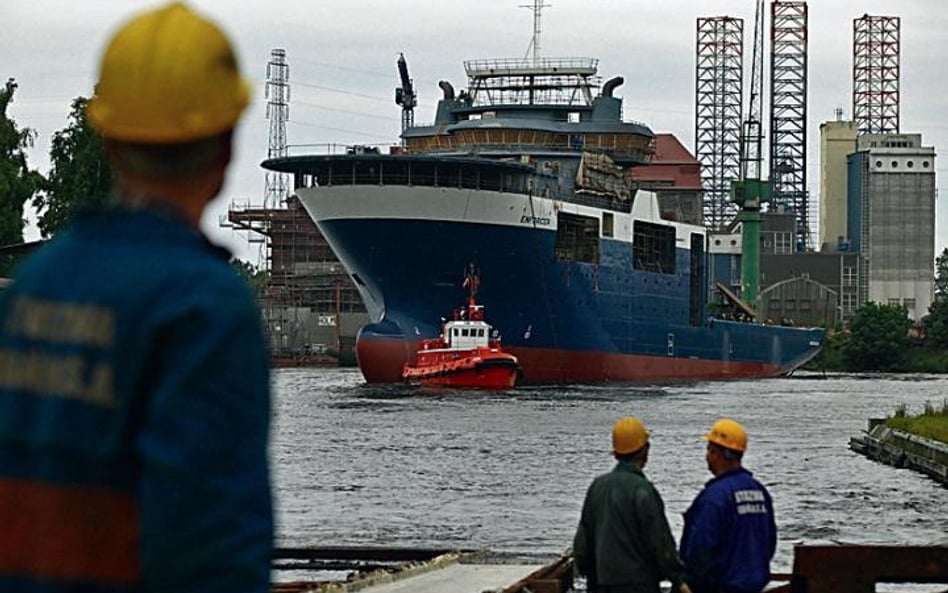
[730, 535]
[134, 415]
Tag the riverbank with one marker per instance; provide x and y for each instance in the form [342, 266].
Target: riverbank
[899, 448]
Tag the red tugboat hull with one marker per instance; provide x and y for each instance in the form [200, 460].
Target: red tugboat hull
[482, 369]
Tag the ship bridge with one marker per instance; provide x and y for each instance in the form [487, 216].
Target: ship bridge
[548, 81]
[543, 108]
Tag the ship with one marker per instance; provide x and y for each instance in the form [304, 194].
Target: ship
[526, 173]
[467, 354]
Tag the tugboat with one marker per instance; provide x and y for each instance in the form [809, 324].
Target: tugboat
[466, 354]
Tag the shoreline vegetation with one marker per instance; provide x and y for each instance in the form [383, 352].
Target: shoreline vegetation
[930, 423]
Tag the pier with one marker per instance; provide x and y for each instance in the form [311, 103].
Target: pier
[816, 569]
[901, 449]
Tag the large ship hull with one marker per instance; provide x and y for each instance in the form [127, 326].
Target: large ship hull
[407, 248]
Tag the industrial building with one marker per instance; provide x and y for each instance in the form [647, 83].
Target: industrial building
[877, 186]
[891, 219]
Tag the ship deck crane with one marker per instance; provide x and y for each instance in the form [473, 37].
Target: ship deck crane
[750, 191]
[405, 94]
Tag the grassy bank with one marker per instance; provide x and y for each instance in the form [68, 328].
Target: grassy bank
[932, 423]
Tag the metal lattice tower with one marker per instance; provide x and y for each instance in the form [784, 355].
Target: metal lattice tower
[788, 84]
[278, 112]
[719, 85]
[876, 42]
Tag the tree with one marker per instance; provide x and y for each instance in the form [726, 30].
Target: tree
[256, 279]
[18, 182]
[878, 338]
[941, 275]
[79, 175]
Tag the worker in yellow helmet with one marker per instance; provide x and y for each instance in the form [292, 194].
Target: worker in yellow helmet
[623, 543]
[730, 533]
[134, 387]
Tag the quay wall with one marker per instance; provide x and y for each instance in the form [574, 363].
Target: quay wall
[901, 449]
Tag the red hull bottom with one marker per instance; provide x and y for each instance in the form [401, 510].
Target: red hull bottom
[382, 361]
[490, 378]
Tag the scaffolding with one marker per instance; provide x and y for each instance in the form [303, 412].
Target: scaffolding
[788, 132]
[876, 45]
[719, 81]
[308, 288]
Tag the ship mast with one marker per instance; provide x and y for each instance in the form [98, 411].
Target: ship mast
[537, 9]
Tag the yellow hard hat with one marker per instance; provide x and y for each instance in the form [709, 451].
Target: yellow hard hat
[729, 434]
[168, 76]
[628, 435]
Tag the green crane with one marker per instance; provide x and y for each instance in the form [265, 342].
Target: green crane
[750, 191]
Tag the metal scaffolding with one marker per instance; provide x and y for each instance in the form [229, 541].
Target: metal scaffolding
[719, 82]
[788, 84]
[876, 43]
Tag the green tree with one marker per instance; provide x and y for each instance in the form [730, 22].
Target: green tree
[18, 182]
[257, 279]
[936, 324]
[79, 175]
[878, 338]
[941, 275]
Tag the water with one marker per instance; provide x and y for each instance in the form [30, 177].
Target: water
[396, 466]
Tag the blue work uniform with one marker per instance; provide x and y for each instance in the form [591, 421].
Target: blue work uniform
[730, 535]
[134, 414]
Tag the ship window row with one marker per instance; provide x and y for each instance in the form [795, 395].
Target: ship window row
[469, 333]
[414, 173]
[621, 144]
[577, 240]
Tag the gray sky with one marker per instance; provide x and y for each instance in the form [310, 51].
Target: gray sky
[342, 58]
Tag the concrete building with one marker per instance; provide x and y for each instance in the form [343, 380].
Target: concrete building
[891, 219]
[837, 142]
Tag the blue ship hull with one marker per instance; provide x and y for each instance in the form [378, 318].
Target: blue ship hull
[565, 321]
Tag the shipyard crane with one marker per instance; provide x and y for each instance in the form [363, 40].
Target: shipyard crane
[405, 95]
[750, 191]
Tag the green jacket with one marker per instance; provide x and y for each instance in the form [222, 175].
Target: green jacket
[623, 537]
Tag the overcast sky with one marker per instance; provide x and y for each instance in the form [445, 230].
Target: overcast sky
[342, 58]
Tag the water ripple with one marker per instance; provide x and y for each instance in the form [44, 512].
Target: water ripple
[357, 464]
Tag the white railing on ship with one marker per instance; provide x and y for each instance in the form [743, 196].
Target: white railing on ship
[515, 66]
[334, 149]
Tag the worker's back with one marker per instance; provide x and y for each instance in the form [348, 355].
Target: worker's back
[128, 435]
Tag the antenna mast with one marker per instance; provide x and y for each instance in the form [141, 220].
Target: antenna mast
[537, 9]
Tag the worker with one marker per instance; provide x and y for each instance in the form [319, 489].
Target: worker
[730, 533]
[623, 543]
[134, 387]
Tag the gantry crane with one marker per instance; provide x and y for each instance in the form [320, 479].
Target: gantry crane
[405, 95]
[750, 191]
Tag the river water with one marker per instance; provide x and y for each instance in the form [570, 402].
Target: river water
[393, 466]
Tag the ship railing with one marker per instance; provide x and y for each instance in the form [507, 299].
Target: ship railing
[497, 67]
[338, 149]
